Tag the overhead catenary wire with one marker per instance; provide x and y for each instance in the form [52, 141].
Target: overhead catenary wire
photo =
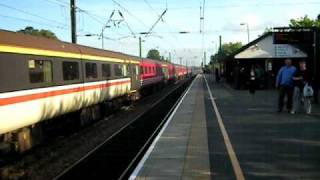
[32, 14]
[152, 27]
[167, 24]
[127, 24]
[35, 22]
[238, 5]
[127, 11]
[132, 15]
[93, 16]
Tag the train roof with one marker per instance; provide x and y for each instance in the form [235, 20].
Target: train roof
[28, 44]
[158, 61]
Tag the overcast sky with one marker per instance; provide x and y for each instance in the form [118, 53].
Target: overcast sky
[222, 17]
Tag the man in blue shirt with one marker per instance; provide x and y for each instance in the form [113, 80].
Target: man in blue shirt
[284, 82]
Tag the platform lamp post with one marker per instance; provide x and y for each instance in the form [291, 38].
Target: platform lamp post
[248, 31]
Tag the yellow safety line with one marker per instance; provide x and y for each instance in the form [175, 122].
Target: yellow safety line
[232, 155]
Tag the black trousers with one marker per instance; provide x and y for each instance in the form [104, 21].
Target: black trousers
[283, 91]
[252, 86]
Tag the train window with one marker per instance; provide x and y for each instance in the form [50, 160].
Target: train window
[145, 70]
[106, 70]
[70, 70]
[91, 70]
[150, 71]
[119, 70]
[40, 71]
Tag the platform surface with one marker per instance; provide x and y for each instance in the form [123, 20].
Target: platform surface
[266, 144]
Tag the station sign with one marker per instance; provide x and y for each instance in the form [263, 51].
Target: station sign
[286, 50]
[293, 38]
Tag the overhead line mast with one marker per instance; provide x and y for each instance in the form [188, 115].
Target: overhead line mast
[202, 30]
[73, 21]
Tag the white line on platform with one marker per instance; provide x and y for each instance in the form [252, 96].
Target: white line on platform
[150, 149]
[233, 157]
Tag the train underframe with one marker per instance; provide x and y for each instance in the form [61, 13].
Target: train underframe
[26, 138]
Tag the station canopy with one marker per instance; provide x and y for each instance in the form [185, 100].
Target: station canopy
[264, 47]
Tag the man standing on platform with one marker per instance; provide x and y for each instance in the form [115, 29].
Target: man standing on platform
[284, 82]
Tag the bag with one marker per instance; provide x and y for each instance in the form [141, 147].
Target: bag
[307, 91]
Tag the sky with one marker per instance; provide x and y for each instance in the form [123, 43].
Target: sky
[221, 17]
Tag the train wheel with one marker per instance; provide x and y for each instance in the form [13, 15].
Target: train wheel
[96, 113]
[85, 116]
[26, 138]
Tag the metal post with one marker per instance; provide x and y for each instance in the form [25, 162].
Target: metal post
[140, 47]
[73, 21]
[169, 56]
[315, 64]
[204, 58]
[248, 31]
[220, 49]
[102, 38]
[220, 41]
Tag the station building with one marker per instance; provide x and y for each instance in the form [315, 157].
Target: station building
[268, 52]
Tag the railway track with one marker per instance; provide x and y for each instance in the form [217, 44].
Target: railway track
[116, 157]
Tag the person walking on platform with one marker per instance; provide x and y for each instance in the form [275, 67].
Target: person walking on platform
[252, 80]
[217, 74]
[301, 79]
[284, 82]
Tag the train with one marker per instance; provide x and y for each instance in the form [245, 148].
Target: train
[41, 79]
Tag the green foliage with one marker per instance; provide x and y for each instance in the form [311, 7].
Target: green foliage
[227, 50]
[305, 22]
[154, 54]
[35, 32]
[267, 30]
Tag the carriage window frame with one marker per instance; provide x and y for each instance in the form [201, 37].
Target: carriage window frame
[119, 70]
[91, 70]
[106, 70]
[69, 75]
[44, 68]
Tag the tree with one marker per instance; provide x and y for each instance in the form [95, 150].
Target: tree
[35, 32]
[227, 49]
[154, 54]
[305, 22]
[267, 30]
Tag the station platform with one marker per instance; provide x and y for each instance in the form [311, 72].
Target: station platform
[216, 132]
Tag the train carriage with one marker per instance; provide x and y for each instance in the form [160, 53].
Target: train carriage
[180, 71]
[151, 73]
[42, 78]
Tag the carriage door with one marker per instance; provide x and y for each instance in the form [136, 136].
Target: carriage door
[135, 80]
